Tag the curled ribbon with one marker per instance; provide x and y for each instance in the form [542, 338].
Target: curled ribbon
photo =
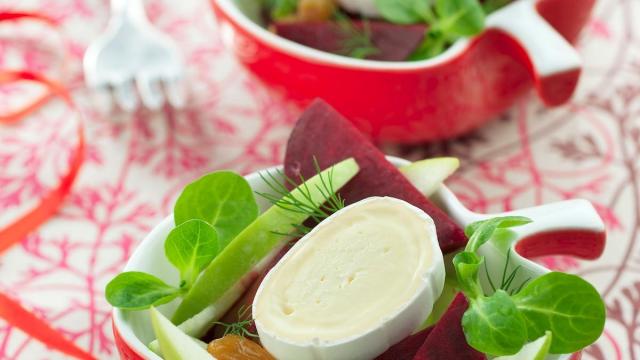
[10, 310]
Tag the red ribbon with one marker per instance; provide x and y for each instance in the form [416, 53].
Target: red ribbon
[16, 315]
[10, 310]
[50, 202]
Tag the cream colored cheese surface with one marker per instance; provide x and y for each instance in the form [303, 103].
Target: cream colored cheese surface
[352, 274]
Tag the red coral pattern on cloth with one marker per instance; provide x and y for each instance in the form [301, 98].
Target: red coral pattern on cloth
[136, 165]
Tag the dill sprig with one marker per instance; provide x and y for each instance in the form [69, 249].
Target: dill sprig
[303, 204]
[507, 279]
[239, 327]
[357, 42]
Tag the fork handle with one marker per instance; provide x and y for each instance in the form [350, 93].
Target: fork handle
[130, 8]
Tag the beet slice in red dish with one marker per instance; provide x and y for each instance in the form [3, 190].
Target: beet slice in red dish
[407, 348]
[323, 133]
[392, 42]
[446, 340]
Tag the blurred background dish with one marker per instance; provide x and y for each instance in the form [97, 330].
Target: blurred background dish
[526, 44]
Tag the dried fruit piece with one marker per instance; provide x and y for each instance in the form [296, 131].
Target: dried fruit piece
[234, 347]
[315, 10]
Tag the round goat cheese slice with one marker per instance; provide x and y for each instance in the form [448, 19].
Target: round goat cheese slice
[359, 282]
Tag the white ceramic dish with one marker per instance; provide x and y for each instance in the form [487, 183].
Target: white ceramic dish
[133, 328]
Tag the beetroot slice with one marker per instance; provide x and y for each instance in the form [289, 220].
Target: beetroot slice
[446, 340]
[324, 133]
[407, 348]
[394, 42]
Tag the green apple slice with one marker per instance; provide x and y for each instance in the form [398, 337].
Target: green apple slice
[258, 240]
[428, 174]
[535, 350]
[175, 344]
[200, 323]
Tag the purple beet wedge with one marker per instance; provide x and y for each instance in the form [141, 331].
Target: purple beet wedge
[407, 348]
[392, 42]
[446, 341]
[323, 133]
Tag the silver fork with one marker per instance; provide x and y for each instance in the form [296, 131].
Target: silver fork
[131, 54]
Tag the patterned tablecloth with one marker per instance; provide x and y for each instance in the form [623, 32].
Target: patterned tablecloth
[135, 165]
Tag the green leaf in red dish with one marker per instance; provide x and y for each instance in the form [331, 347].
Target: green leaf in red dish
[190, 247]
[399, 11]
[460, 17]
[224, 199]
[493, 325]
[134, 290]
[567, 305]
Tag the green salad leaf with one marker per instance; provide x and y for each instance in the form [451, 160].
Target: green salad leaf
[424, 9]
[447, 20]
[279, 9]
[467, 265]
[494, 324]
[502, 323]
[460, 17]
[433, 44]
[224, 199]
[565, 304]
[190, 247]
[490, 6]
[134, 290]
[400, 11]
[208, 213]
[482, 231]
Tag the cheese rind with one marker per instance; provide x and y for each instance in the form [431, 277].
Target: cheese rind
[361, 281]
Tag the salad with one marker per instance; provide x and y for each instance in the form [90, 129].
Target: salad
[351, 261]
[388, 30]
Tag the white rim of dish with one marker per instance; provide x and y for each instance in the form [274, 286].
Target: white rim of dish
[313, 55]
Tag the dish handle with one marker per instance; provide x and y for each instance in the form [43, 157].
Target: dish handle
[554, 64]
[571, 227]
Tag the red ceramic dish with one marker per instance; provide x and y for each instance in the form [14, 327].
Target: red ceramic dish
[576, 220]
[526, 44]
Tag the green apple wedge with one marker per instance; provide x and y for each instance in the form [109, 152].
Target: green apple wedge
[175, 344]
[535, 350]
[199, 324]
[427, 175]
[258, 239]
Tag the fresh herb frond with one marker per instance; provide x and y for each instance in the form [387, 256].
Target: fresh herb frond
[334, 201]
[357, 43]
[504, 270]
[302, 202]
[301, 230]
[517, 290]
[509, 280]
[283, 198]
[508, 277]
[239, 327]
[486, 270]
